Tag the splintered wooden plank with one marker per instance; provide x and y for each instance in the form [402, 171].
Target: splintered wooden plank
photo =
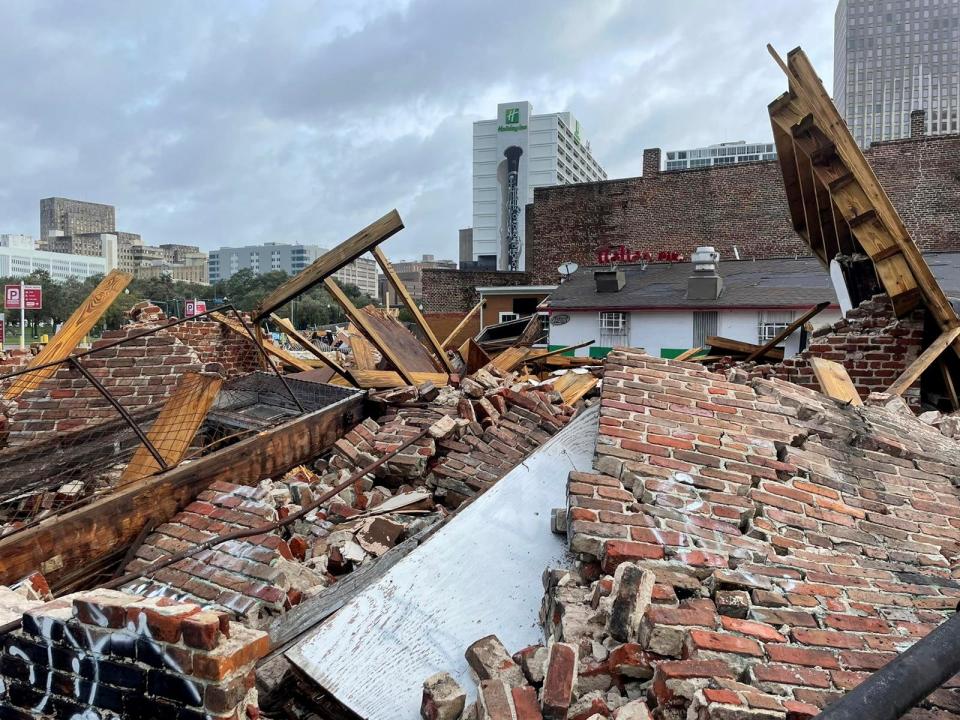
[361, 349]
[412, 306]
[813, 96]
[473, 356]
[384, 379]
[403, 343]
[77, 326]
[279, 353]
[915, 369]
[301, 339]
[687, 354]
[367, 327]
[576, 389]
[788, 331]
[715, 342]
[451, 339]
[175, 426]
[835, 381]
[324, 266]
[509, 358]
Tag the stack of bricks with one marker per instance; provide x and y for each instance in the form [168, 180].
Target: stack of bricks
[751, 550]
[106, 654]
[870, 342]
[239, 576]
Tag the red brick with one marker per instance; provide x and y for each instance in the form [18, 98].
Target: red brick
[791, 675]
[719, 642]
[619, 551]
[758, 630]
[558, 682]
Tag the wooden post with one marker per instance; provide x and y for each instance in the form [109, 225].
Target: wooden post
[915, 369]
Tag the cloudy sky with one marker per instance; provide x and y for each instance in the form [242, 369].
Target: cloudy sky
[240, 122]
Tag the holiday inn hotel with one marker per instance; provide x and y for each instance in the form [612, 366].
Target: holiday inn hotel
[513, 154]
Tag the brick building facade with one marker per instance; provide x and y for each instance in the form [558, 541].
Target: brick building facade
[740, 206]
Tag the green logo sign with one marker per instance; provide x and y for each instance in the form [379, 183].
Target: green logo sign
[512, 116]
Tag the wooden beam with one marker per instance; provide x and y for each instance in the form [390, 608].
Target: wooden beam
[809, 89]
[788, 330]
[412, 306]
[948, 383]
[362, 322]
[279, 353]
[739, 347]
[324, 266]
[81, 536]
[534, 356]
[467, 319]
[176, 425]
[915, 369]
[301, 339]
[687, 354]
[77, 326]
[473, 356]
[835, 381]
[383, 379]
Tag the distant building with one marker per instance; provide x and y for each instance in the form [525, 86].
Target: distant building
[19, 262]
[411, 274]
[178, 272]
[513, 154]
[17, 241]
[722, 154]
[291, 259]
[74, 217]
[890, 58]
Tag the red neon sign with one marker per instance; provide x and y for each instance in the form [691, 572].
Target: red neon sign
[622, 254]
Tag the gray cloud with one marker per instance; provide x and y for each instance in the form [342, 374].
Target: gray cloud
[239, 122]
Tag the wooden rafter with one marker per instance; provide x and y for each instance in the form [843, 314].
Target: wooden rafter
[806, 113]
[301, 340]
[915, 369]
[412, 306]
[787, 331]
[77, 326]
[362, 322]
[324, 266]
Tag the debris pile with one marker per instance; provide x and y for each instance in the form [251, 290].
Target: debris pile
[744, 548]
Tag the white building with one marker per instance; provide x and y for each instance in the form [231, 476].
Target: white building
[721, 154]
[19, 262]
[513, 154]
[667, 308]
[225, 262]
[17, 241]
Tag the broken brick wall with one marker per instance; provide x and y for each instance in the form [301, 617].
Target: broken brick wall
[797, 544]
[872, 344]
[140, 373]
[109, 654]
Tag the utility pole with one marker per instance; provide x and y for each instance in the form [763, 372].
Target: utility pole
[23, 316]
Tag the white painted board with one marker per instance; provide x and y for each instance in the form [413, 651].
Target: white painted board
[478, 575]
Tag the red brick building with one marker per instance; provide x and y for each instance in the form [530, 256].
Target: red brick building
[739, 206]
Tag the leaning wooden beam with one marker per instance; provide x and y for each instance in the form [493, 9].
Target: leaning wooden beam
[473, 356]
[948, 383]
[924, 360]
[806, 85]
[176, 425]
[79, 324]
[738, 347]
[83, 535]
[687, 354]
[360, 320]
[835, 381]
[271, 349]
[788, 330]
[301, 339]
[534, 356]
[467, 319]
[412, 306]
[324, 266]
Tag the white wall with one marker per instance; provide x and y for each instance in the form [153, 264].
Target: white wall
[673, 329]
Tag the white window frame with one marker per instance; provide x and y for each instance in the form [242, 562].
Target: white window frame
[507, 316]
[771, 323]
[613, 323]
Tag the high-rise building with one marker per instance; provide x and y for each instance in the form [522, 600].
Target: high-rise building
[74, 217]
[722, 154]
[260, 259]
[410, 273]
[513, 154]
[894, 56]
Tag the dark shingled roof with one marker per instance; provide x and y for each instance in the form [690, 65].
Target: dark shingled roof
[778, 282]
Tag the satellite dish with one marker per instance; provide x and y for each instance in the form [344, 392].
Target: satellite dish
[567, 269]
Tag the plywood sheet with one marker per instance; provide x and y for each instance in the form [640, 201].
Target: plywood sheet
[835, 381]
[403, 343]
[471, 579]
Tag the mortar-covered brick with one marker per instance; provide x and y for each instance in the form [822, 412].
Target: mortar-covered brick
[839, 555]
[109, 654]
